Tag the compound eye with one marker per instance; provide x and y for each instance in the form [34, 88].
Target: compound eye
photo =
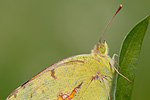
[101, 48]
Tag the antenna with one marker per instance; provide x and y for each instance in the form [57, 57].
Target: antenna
[110, 22]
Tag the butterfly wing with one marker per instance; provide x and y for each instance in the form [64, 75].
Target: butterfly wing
[71, 78]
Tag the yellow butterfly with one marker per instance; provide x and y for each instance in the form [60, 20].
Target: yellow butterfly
[80, 77]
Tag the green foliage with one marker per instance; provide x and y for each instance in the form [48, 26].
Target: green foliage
[128, 61]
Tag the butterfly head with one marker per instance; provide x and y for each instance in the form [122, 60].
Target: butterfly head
[101, 48]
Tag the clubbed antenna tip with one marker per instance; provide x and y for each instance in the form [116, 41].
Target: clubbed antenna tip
[110, 22]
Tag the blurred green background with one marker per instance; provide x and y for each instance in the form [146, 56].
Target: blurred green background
[35, 34]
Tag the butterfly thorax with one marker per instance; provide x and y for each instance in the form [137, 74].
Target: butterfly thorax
[100, 52]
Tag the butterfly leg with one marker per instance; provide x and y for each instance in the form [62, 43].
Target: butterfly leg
[101, 78]
[120, 73]
[105, 86]
[113, 59]
[114, 56]
[111, 63]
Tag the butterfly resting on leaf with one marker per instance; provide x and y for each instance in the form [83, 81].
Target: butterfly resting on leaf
[80, 77]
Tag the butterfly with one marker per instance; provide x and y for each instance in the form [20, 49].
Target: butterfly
[80, 77]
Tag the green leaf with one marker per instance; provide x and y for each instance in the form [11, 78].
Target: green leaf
[128, 59]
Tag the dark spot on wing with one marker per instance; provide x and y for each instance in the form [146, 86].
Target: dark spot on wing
[53, 74]
[31, 95]
[74, 61]
[15, 95]
[25, 83]
[24, 87]
[43, 91]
